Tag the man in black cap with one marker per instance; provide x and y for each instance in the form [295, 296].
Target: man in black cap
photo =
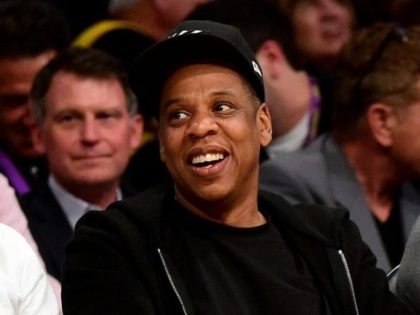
[212, 243]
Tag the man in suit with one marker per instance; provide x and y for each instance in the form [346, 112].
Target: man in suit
[88, 126]
[374, 148]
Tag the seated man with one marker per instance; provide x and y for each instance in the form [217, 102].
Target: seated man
[88, 126]
[213, 244]
[374, 148]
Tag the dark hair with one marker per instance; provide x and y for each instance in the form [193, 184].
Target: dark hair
[381, 64]
[258, 21]
[83, 62]
[29, 28]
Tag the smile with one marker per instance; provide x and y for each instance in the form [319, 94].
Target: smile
[207, 159]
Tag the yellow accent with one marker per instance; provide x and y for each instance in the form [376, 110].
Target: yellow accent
[94, 32]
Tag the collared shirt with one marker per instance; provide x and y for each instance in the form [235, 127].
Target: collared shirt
[292, 140]
[74, 208]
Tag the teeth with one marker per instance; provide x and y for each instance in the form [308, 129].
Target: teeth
[209, 157]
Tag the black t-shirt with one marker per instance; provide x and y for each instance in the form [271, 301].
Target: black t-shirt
[228, 270]
[392, 236]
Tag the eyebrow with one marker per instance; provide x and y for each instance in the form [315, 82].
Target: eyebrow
[179, 99]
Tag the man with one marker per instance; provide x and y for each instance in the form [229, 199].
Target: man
[88, 126]
[292, 97]
[374, 148]
[31, 33]
[212, 244]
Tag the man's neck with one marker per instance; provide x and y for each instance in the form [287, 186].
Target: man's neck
[99, 194]
[376, 174]
[245, 215]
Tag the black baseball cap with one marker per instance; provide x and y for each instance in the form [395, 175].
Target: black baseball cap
[192, 42]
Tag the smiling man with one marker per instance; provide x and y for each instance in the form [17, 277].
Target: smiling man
[212, 243]
[88, 126]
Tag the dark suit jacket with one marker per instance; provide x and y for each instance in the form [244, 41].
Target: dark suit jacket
[49, 226]
[321, 174]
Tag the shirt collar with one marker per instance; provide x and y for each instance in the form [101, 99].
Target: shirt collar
[73, 207]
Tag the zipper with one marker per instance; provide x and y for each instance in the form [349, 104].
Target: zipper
[171, 281]
[347, 269]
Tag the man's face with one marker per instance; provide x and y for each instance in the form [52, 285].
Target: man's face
[16, 76]
[88, 133]
[210, 132]
[322, 28]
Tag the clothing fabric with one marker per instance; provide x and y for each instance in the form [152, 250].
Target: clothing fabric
[321, 174]
[24, 175]
[119, 263]
[11, 214]
[74, 208]
[407, 286]
[50, 225]
[24, 288]
[219, 256]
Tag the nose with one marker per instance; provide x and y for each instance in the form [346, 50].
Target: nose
[202, 124]
[89, 131]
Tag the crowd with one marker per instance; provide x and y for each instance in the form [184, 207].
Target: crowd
[209, 157]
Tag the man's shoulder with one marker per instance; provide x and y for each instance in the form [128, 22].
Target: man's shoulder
[315, 221]
[309, 158]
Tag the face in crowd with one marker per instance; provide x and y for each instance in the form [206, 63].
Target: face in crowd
[211, 129]
[88, 133]
[321, 28]
[16, 123]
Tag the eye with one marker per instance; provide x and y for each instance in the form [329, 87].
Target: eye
[222, 107]
[178, 115]
[108, 115]
[66, 118]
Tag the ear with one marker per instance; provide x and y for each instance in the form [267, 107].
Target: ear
[264, 125]
[137, 125]
[37, 139]
[271, 57]
[381, 119]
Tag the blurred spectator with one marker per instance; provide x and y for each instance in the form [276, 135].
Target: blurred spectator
[320, 28]
[155, 18]
[24, 286]
[291, 97]
[88, 126]
[375, 144]
[30, 34]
